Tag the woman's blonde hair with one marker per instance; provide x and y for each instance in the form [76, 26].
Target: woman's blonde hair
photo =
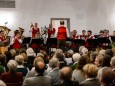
[37, 59]
[90, 70]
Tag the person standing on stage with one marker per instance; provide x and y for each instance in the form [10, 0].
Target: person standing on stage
[3, 40]
[61, 36]
[83, 36]
[75, 35]
[34, 30]
[89, 34]
[51, 31]
[16, 41]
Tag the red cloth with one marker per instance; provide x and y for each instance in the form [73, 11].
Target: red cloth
[62, 34]
[35, 46]
[34, 31]
[50, 32]
[87, 44]
[16, 44]
[75, 36]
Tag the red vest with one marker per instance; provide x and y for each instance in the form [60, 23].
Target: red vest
[16, 44]
[34, 31]
[61, 33]
[50, 32]
[2, 39]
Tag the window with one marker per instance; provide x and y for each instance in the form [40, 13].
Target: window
[7, 3]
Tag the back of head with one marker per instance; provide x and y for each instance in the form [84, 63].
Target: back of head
[2, 58]
[40, 67]
[90, 70]
[19, 59]
[2, 83]
[13, 53]
[112, 62]
[12, 65]
[54, 62]
[108, 77]
[61, 22]
[76, 57]
[37, 59]
[106, 60]
[66, 73]
[30, 52]
[109, 52]
[70, 53]
[84, 51]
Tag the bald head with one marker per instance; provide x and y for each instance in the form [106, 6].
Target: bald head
[40, 67]
[66, 73]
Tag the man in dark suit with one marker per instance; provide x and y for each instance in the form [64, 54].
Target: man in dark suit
[39, 79]
[65, 76]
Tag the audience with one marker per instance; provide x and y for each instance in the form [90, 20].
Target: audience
[112, 63]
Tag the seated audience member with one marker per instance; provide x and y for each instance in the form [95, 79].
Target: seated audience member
[106, 60]
[92, 57]
[78, 73]
[102, 52]
[12, 76]
[2, 83]
[39, 79]
[68, 59]
[109, 52]
[112, 63]
[13, 53]
[2, 63]
[90, 71]
[26, 64]
[107, 77]
[80, 49]
[54, 72]
[31, 57]
[20, 67]
[61, 58]
[98, 61]
[75, 58]
[65, 76]
[33, 72]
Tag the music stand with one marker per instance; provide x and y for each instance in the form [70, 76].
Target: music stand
[69, 40]
[37, 41]
[113, 38]
[104, 40]
[79, 41]
[26, 40]
[93, 42]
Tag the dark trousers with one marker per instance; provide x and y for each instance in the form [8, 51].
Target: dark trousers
[61, 44]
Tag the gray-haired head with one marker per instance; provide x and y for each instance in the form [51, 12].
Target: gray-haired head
[54, 63]
[112, 62]
[12, 65]
[76, 57]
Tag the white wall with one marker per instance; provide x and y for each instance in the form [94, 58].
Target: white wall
[83, 14]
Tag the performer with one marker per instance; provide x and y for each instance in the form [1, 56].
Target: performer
[61, 36]
[51, 31]
[89, 36]
[101, 35]
[21, 30]
[75, 36]
[106, 33]
[3, 40]
[34, 30]
[83, 36]
[16, 41]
